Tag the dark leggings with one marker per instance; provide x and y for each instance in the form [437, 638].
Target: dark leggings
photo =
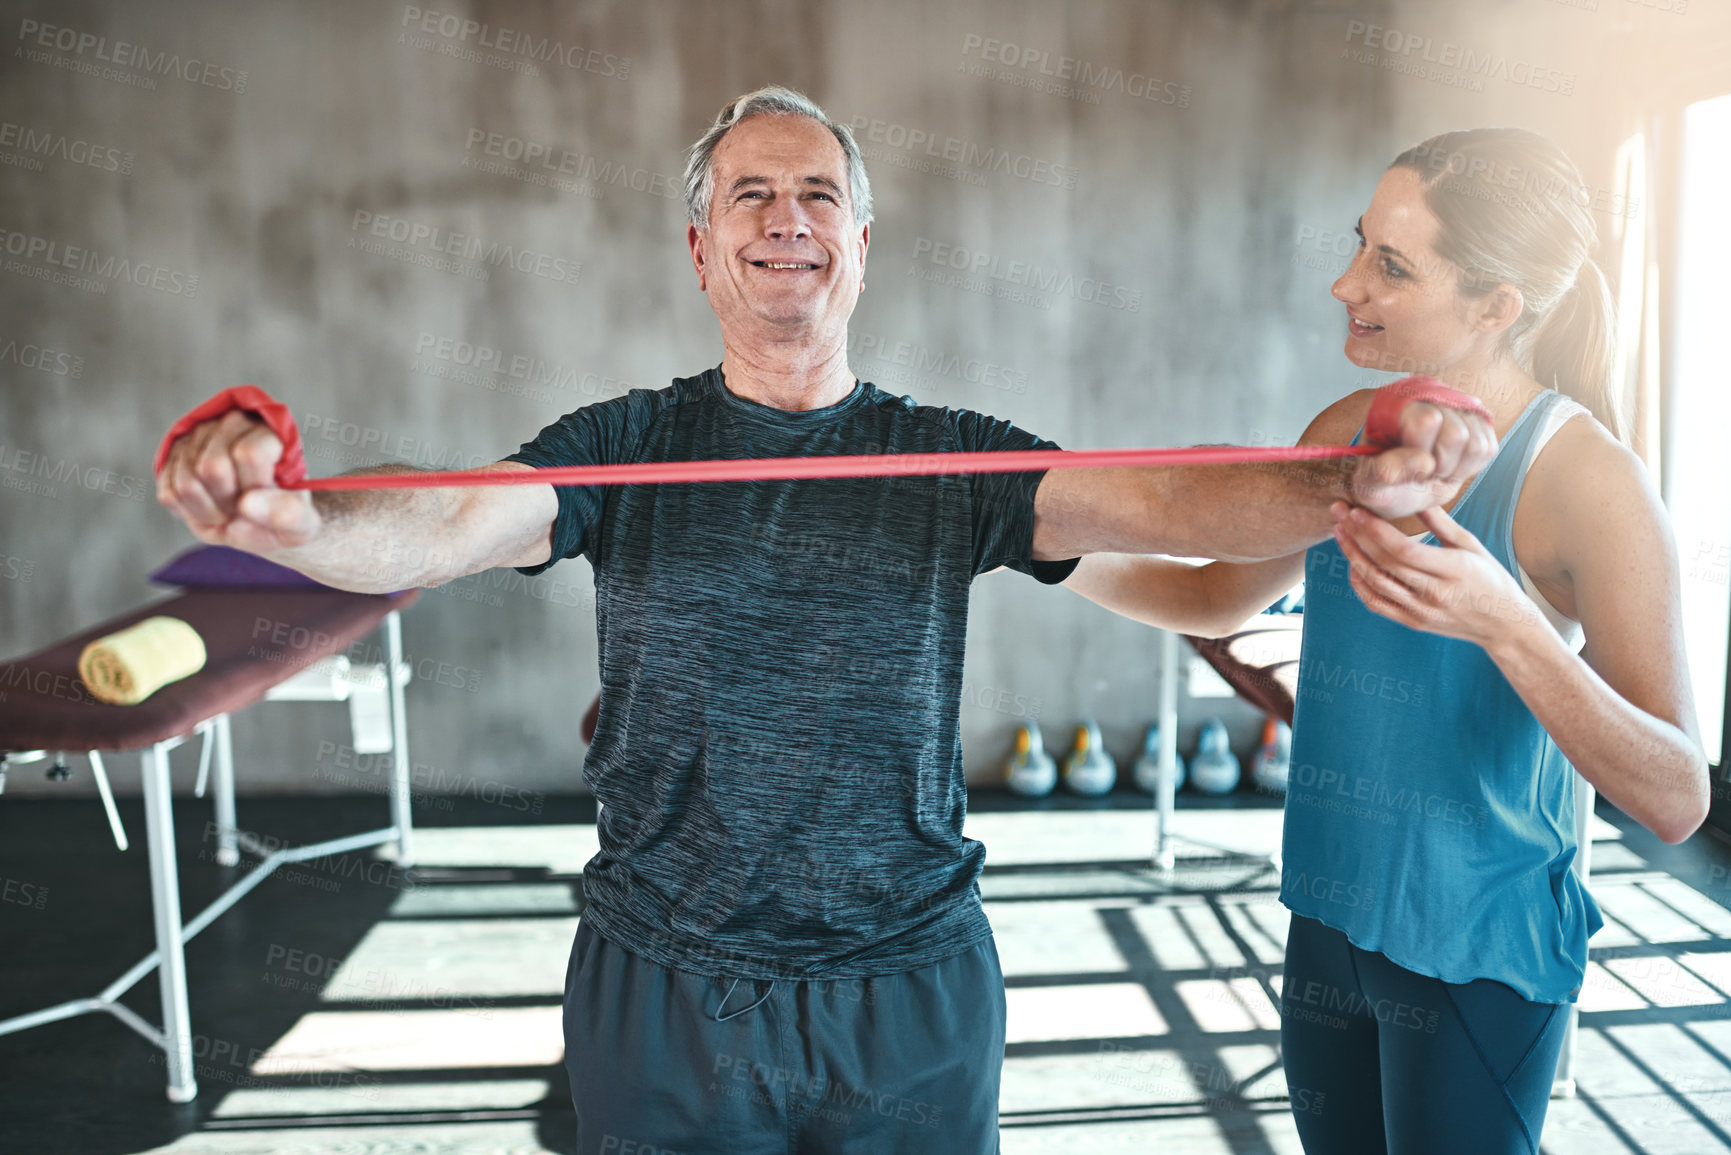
[1382, 1061]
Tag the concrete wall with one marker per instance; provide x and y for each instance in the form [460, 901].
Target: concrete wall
[1211, 179]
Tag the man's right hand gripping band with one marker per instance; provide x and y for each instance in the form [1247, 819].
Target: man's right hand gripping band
[291, 470]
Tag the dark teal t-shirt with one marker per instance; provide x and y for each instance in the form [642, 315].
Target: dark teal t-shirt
[778, 756]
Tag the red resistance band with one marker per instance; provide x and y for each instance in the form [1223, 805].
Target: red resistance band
[1382, 430]
[1382, 423]
[291, 469]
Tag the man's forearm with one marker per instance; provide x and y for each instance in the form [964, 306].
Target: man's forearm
[1256, 511]
[381, 540]
[1266, 510]
[1237, 513]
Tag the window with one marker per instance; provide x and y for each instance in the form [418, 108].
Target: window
[1697, 467]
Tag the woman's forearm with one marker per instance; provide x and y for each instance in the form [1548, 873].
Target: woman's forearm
[1207, 601]
[1649, 768]
[1170, 595]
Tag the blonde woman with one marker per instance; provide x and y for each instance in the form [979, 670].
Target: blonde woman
[1438, 934]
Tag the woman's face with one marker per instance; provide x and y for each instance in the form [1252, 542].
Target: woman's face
[1405, 313]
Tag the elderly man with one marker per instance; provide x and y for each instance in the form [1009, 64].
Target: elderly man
[783, 946]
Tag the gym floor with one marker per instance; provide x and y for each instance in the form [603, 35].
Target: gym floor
[346, 1007]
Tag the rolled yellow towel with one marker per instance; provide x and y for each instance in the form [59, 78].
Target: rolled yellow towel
[125, 668]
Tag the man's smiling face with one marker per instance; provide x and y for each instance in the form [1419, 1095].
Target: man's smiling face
[782, 258]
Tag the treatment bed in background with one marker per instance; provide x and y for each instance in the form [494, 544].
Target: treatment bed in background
[261, 643]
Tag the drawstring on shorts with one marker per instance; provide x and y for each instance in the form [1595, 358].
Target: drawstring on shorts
[721, 1018]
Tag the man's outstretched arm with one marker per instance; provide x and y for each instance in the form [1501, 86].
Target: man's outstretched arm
[1253, 512]
[219, 479]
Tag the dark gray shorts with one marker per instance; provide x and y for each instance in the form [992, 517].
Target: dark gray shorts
[668, 1063]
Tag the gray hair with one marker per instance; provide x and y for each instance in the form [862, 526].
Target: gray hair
[772, 101]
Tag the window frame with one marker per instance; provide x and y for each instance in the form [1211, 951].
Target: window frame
[1666, 131]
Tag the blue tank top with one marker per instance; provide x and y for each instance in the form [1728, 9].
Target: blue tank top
[1429, 817]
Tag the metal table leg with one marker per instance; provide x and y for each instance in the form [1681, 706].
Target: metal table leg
[401, 817]
[100, 772]
[227, 853]
[1166, 781]
[165, 906]
[1165, 858]
[1563, 1086]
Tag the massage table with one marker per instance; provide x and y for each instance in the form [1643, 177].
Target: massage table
[295, 655]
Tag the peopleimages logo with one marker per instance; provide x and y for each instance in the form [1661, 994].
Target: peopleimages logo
[976, 264]
[512, 42]
[42, 38]
[463, 250]
[1335, 890]
[448, 356]
[543, 159]
[1335, 786]
[33, 144]
[1485, 179]
[95, 478]
[48, 255]
[32, 356]
[965, 152]
[1404, 51]
[920, 359]
[1087, 76]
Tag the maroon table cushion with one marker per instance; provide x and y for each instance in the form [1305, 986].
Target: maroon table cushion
[253, 639]
[1260, 661]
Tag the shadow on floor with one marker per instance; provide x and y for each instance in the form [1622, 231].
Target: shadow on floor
[327, 959]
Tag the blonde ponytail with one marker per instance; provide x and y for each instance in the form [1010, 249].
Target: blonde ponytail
[1572, 347]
